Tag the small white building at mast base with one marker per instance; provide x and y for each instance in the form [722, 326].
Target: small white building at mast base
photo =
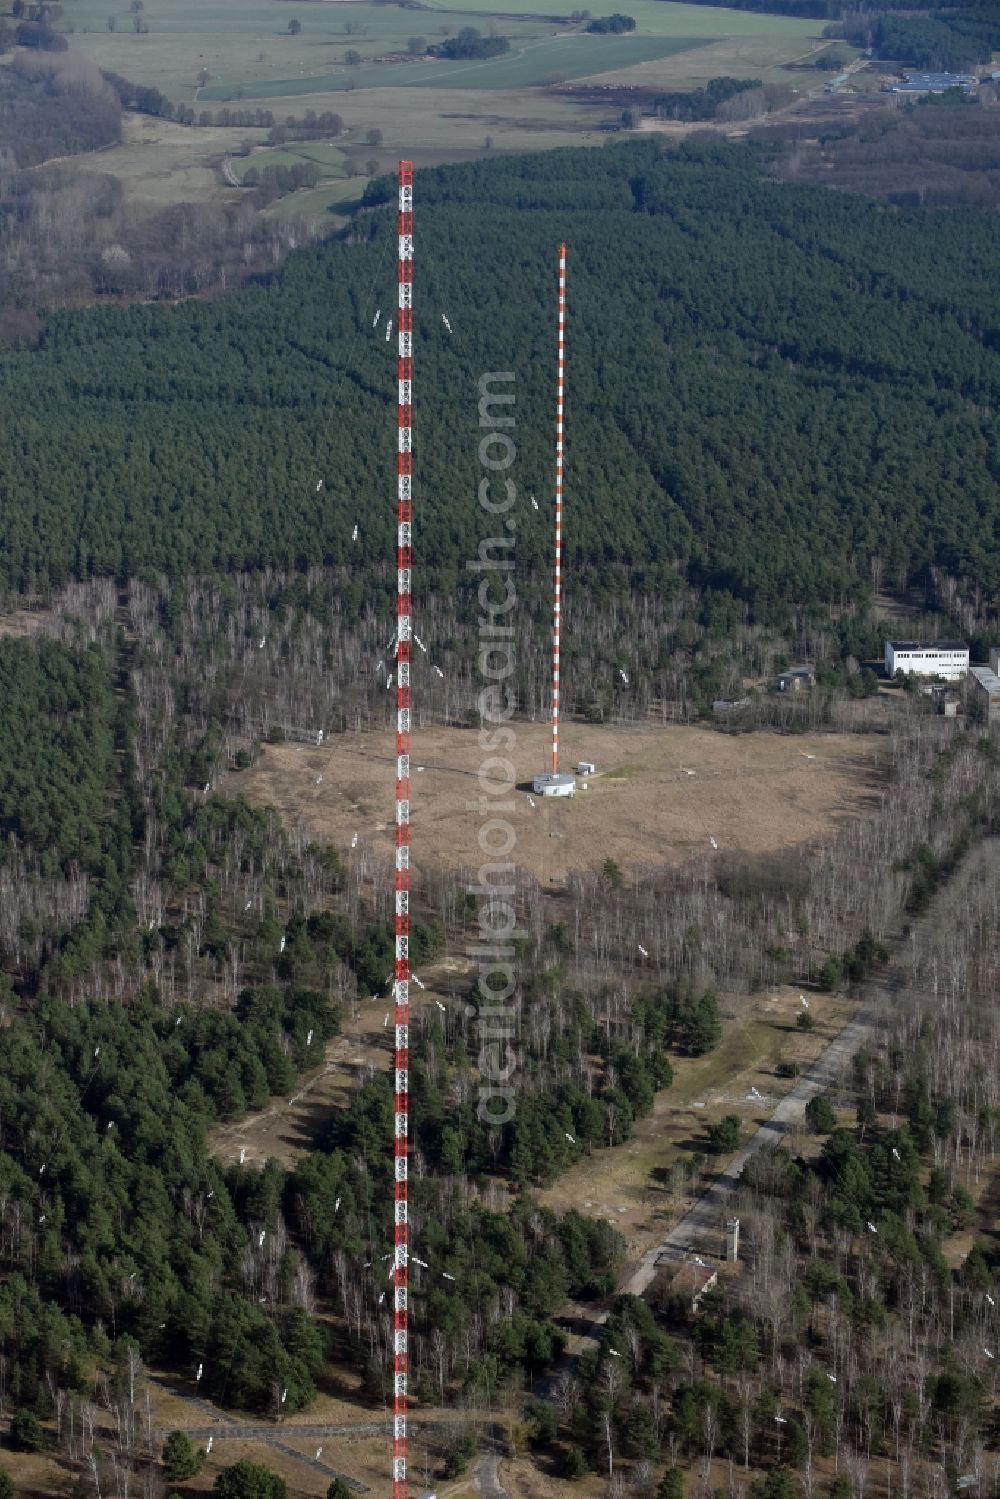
[547, 784]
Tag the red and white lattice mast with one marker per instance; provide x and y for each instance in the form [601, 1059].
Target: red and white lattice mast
[557, 597]
[404, 636]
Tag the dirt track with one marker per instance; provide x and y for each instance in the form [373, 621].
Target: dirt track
[660, 794]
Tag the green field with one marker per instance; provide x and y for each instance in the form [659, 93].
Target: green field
[223, 53]
[663, 18]
[342, 185]
[543, 61]
[329, 159]
[248, 53]
[320, 204]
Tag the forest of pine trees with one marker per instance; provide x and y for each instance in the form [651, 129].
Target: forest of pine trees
[774, 385]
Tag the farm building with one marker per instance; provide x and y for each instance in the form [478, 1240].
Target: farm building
[985, 692]
[930, 658]
[547, 784]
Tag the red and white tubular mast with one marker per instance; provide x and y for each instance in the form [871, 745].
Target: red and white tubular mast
[557, 602]
[404, 635]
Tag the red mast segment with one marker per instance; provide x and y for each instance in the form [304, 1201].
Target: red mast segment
[557, 601]
[401, 985]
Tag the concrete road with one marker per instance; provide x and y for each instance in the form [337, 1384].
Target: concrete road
[700, 1230]
[488, 1477]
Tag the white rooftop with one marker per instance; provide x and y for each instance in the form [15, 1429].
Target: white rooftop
[547, 784]
[986, 677]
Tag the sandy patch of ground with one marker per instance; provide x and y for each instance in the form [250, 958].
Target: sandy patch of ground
[660, 794]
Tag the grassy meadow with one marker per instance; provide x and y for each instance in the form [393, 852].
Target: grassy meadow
[245, 48]
[558, 85]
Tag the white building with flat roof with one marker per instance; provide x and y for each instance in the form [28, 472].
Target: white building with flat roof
[547, 784]
[927, 658]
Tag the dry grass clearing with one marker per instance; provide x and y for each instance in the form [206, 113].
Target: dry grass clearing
[36, 1476]
[660, 794]
[524, 1478]
[361, 1455]
[362, 1458]
[40, 1476]
[289, 1126]
[27, 624]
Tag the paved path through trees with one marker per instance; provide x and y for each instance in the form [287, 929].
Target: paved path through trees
[700, 1230]
[487, 1477]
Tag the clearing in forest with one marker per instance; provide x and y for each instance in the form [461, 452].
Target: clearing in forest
[287, 1127]
[660, 795]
